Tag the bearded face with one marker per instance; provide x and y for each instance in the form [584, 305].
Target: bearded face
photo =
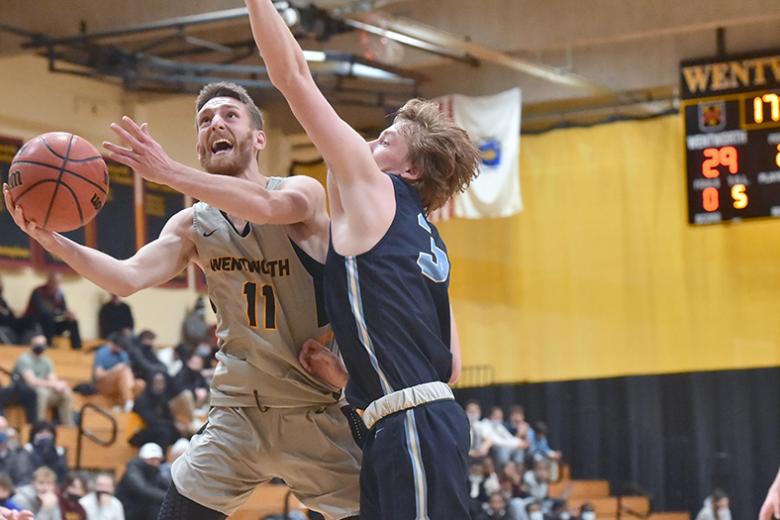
[227, 143]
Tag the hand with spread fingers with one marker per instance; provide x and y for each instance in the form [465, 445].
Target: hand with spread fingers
[7, 514]
[142, 153]
[771, 508]
[38, 234]
[323, 364]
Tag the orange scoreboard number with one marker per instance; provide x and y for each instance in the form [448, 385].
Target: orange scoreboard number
[715, 159]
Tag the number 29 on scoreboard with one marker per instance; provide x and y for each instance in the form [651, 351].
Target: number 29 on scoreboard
[722, 160]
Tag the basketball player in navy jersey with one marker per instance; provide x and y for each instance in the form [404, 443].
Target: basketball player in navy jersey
[386, 280]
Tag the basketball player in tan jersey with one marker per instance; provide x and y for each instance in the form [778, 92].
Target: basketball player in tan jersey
[261, 242]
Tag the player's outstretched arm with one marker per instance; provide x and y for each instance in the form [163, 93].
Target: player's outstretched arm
[153, 264]
[366, 192]
[771, 507]
[299, 201]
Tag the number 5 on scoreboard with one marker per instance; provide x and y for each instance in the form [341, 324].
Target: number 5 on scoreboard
[739, 196]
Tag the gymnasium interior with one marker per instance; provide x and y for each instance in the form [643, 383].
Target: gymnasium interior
[618, 281]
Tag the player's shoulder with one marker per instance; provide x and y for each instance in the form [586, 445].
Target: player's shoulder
[302, 183]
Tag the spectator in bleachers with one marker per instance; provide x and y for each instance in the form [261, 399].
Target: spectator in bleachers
[40, 497]
[37, 372]
[494, 509]
[42, 450]
[11, 327]
[191, 389]
[143, 488]
[479, 446]
[17, 392]
[512, 476]
[152, 405]
[517, 426]
[539, 445]
[101, 504]
[6, 492]
[176, 451]
[715, 507]
[195, 329]
[533, 510]
[115, 316]
[537, 480]
[112, 374]
[587, 512]
[72, 492]
[143, 359]
[13, 462]
[503, 444]
[47, 309]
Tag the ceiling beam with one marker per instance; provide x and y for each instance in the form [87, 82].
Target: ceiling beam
[391, 27]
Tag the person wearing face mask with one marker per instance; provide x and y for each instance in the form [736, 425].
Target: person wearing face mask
[716, 507]
[40, 497]
[101, 504]
[142, 488]
[72, 492]
[494, 509]
[42, 450]
[37, 372]
[533, 510]
[587, 512]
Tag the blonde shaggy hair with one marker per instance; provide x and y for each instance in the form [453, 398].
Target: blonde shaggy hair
[439, 150]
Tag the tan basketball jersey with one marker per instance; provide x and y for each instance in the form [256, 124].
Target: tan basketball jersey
[266, 309]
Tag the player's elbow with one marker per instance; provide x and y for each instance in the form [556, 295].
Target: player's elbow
[456, 370]
[124, 289]
[288, 80]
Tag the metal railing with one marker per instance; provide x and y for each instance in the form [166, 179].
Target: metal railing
[82, 432]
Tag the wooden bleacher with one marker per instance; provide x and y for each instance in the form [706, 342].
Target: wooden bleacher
[607, 507]
[75, 367]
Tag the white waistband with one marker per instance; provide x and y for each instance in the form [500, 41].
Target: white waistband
[405, 399]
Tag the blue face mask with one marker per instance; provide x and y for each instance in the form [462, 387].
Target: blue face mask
[3, 437]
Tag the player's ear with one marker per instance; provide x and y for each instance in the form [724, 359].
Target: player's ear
[260, 140]
[411, 173]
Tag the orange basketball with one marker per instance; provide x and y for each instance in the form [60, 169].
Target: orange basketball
[60, 181]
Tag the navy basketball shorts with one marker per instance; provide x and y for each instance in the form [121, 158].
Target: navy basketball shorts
[415, 465]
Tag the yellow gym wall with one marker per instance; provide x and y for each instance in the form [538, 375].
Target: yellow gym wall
[601, 275]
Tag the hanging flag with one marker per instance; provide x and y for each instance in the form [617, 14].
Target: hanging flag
[494, 124]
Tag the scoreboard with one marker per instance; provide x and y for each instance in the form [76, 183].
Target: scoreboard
[731, 112]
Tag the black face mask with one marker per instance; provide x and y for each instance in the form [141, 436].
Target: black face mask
[45, 445]
[73, 497]
[38, 349]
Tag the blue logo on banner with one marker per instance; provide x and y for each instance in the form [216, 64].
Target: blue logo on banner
[490, 150]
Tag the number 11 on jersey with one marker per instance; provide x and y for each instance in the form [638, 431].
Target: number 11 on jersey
[269, 302]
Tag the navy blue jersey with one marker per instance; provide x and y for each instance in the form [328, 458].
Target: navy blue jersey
[389, 307]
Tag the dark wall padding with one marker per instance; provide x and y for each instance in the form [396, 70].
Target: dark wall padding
[674, 436]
